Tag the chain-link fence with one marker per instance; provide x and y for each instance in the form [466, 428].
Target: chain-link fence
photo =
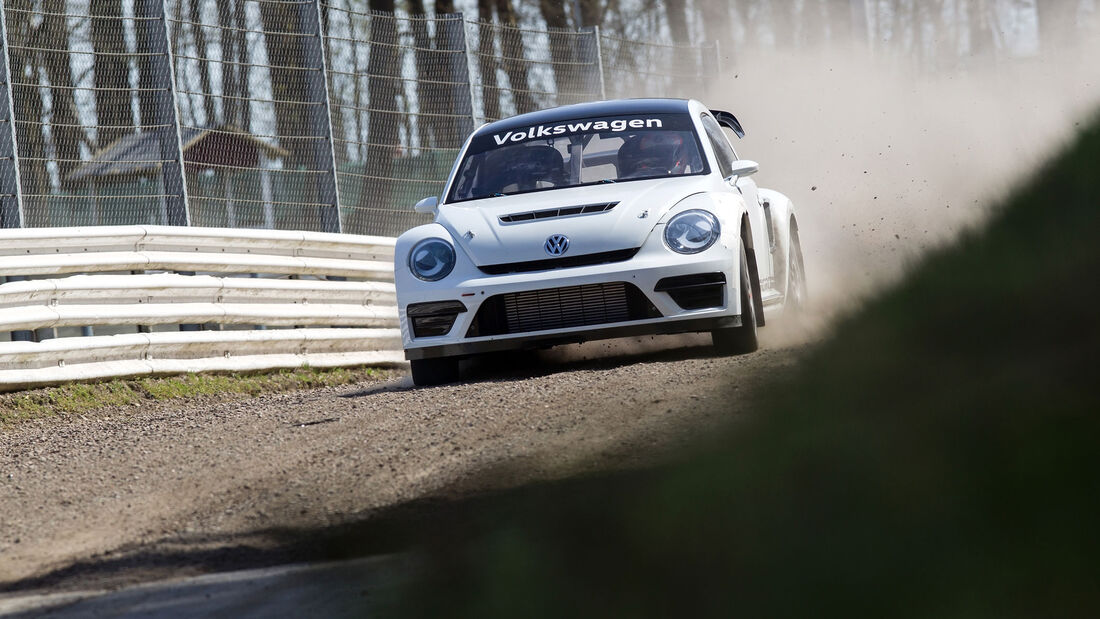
[291, 114]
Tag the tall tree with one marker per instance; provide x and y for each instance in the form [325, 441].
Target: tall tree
[515, 62]
[202, 50]
[487, 60]
[676, 11]
[27, 107]
[981, 33]
[111, 71]
[383, 132]
[227, 40]
[244, 58]
[65, 129]
[288, 87]
[427, 91]
[1057, 24]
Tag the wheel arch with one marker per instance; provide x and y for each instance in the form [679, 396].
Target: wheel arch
[754, 272]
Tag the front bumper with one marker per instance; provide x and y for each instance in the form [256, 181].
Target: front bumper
[648, 267]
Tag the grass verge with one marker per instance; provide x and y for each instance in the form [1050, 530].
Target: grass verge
[78, 399]
[938, 456]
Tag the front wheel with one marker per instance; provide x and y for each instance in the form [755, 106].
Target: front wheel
[439, 371]
[794, 300]
[740, 340]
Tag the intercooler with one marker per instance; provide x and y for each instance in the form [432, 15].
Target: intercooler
[561, 308]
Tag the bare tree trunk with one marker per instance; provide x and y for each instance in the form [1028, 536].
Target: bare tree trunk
[427, 93]
[202, 50]
[27, 107]
[981, 35]
[1057, 24]
[676, 11]
[487, 61]
[716, 21]
[383, 128]
[227, 39]
[240, 21]
[64, 124]
[112, 71]
[336, 118]
[591, 13]
[562, 49]
[287, 84]
[515, 64]
[147, 67]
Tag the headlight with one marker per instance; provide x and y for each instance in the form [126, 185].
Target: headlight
[691, 232]
[432, 259]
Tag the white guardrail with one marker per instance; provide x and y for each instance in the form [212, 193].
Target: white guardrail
[140, 279]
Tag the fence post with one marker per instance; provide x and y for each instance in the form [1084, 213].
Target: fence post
[319, 119]
[717, 58]
[467, 58]
[11, 194]
[599, 61]
[589, 48]
[153, 36]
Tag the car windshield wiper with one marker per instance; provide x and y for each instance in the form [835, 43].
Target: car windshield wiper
[606, 181]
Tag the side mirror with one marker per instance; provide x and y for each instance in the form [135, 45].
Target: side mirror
[428, 206]
[744, 167]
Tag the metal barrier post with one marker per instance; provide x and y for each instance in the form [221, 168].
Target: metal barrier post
[468, 58]
[591, 49]
[11, 194]
[154, 35]
[319, 119]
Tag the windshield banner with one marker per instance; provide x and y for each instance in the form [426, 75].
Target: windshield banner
[574, 127]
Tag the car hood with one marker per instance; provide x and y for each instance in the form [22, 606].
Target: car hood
[477, 227]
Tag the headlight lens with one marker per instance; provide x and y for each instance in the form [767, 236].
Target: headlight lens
[691, 232]
[432, 259]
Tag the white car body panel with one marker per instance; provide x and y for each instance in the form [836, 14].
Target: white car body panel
[481, 239]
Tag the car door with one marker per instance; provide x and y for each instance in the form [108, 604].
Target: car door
[746, 187]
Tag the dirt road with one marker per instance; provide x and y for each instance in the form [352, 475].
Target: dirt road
[165, 490]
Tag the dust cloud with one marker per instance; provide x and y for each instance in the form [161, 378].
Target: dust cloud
[884, 162]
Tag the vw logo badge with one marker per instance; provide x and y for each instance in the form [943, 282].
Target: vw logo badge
[557, 244]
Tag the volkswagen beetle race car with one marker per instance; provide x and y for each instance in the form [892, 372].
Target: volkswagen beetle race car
[590, 221]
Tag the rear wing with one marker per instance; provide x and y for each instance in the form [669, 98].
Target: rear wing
[728, 120]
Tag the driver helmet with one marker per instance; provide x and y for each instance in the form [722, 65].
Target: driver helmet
[652, 154]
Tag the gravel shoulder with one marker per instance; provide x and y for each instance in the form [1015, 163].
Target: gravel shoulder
[149, 492]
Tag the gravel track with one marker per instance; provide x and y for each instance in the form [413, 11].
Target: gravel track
[212, 474]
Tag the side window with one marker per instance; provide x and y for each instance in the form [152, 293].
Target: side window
[721, 145]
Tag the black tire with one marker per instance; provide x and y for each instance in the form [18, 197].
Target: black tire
[794, 301]
[740, 340]
[439, 371]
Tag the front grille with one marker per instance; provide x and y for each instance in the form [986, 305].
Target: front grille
[561, 308]
[584, 260]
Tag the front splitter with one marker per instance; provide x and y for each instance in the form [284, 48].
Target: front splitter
[546, 340]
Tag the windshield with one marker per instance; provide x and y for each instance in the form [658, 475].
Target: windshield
[578, 152]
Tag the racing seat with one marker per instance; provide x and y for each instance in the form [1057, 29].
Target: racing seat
[522, 168]
[652, 154]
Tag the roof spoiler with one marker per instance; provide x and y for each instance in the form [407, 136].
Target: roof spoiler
[728, 120]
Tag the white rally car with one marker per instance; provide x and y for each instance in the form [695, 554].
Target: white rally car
[591, 221]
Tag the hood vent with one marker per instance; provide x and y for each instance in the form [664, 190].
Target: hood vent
[553, 213]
